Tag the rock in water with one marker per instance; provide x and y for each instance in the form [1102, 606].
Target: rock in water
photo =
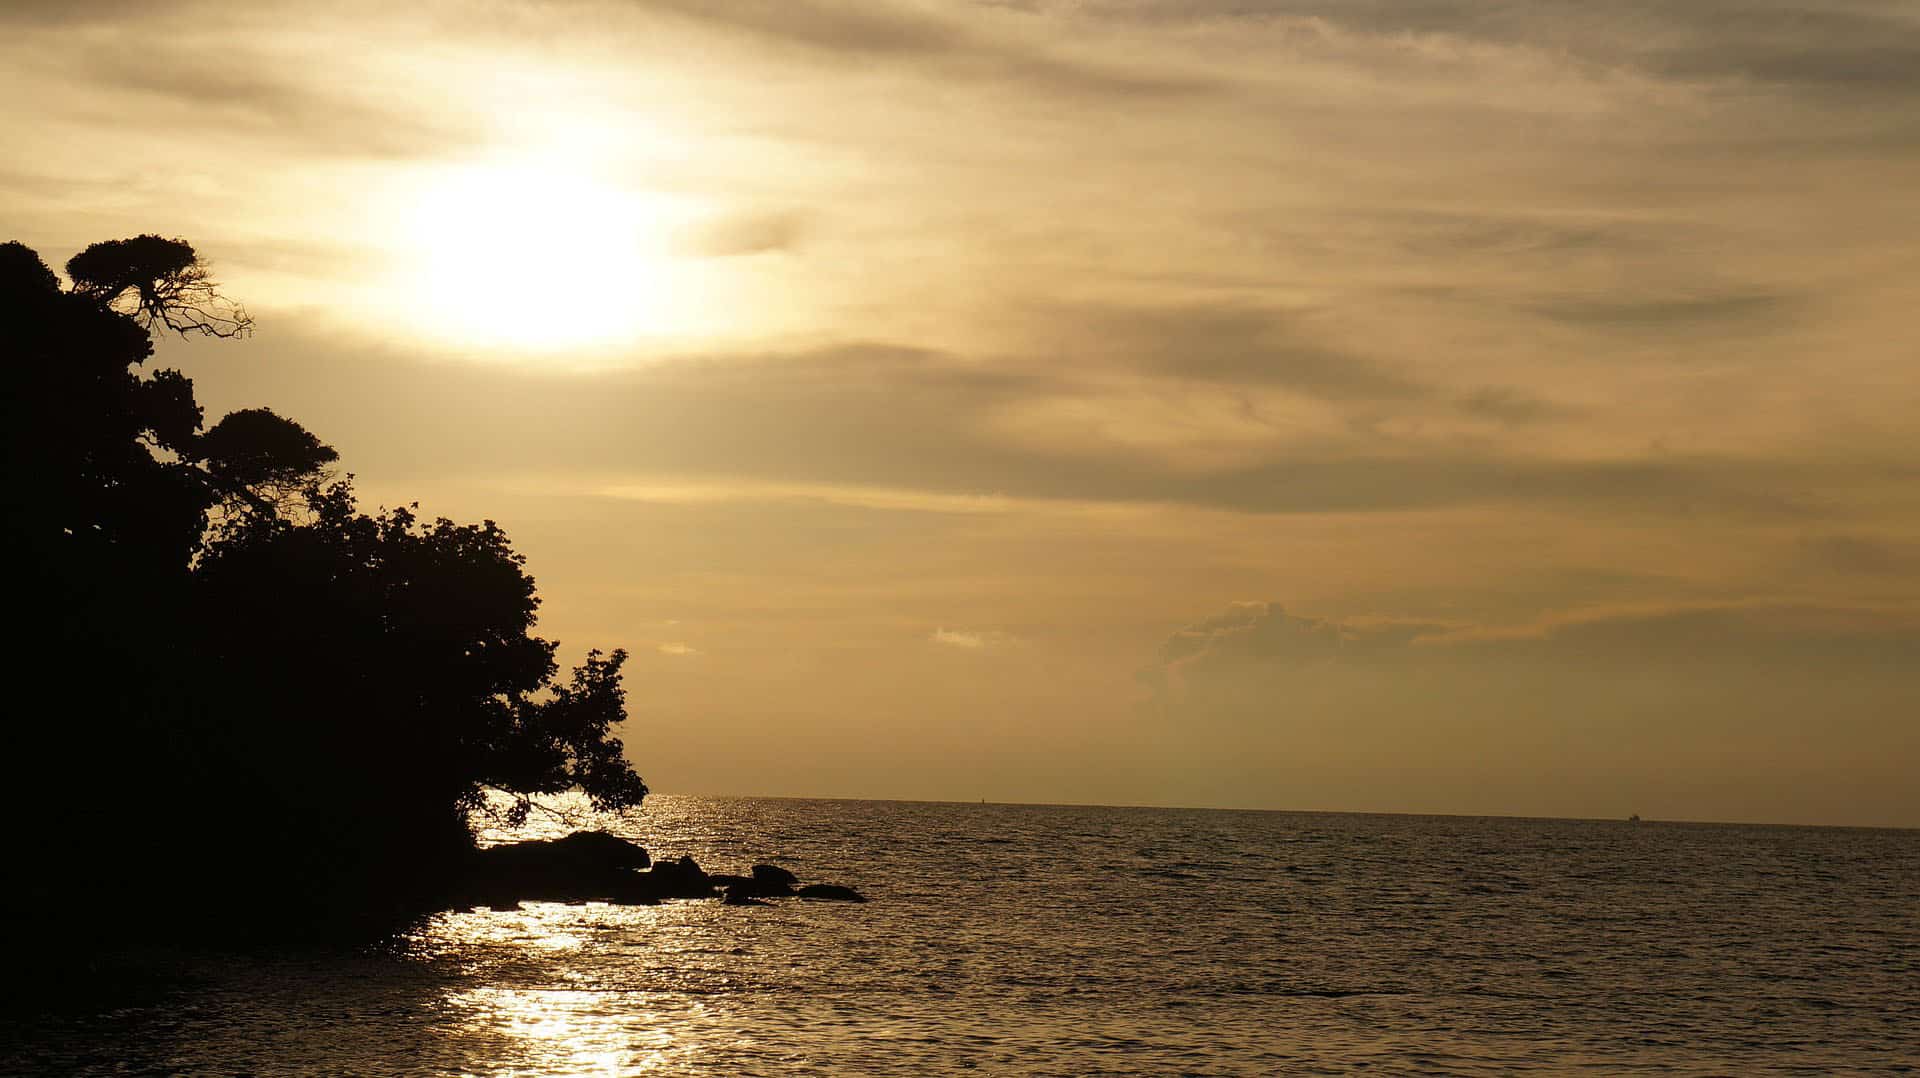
[580, 852]
[758, 885]
[774, 874]
[681, 878]
[583, 865]
[604, 849]
[742, 896]
[831, 892]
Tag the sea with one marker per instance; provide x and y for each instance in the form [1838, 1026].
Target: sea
[1064, 940]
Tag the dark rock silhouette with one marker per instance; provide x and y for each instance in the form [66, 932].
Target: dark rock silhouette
[774, 876]
[586, 865]
[682, 878]
[581, 850]
[594, 866]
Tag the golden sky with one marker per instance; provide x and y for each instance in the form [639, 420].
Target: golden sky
[1400, 405]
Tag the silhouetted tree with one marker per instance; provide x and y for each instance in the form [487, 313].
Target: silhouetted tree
[82, 424]
[159, 282]
[331, 691]
[262, 464]
[566, 742]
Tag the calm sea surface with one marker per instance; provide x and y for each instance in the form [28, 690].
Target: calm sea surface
[1028, 940]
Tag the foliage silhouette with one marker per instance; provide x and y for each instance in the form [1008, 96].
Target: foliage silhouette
[159, 282]
[311, 699]
[261, 464]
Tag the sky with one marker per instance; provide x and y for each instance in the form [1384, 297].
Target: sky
[1454, 406]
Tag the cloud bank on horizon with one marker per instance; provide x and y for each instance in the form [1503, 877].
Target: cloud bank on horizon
[1517, 346]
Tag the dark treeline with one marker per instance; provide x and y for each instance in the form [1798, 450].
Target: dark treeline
[243, 705]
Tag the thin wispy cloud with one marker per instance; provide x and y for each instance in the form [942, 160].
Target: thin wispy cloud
[972, 639]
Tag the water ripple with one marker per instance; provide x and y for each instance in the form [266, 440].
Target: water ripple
[1053, 940]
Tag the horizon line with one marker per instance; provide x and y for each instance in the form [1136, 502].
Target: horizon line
[1285, 811]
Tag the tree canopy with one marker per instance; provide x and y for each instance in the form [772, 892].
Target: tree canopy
[160, 282]
[221, 635]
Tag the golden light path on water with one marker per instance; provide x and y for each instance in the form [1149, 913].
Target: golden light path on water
[584, 989]
[567, 1029]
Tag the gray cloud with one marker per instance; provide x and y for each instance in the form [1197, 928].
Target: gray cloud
[1666, 313]
[1503, 404]
[1859, 555]
[212, 74]
[261, 96]
[1754, 710]
[913, 35]
[1805, 46]
[1798, 634]
[1261, 633]
[64, 14]
[1873, 44]
[1237, 345]
[1501, 234]
[745, 234]
[1360, 481]
[915, 419]
[1256, 649]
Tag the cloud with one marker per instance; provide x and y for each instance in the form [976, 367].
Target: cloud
[894, 419]
[1873, 43]
[745, 234]
[322, 120]
[1503, 404]
[1252, 658]
[1257, 633]
[678, 650]
[1861, 555]
[1801, 634]
[1668, 313]
[60, 13]
[1079, 309]
[1239, 345]
[1502, 233]
[975, 49]
[1852, 49]
[1250, 644]
[146, 72]
[971, 640]
[1755, 710]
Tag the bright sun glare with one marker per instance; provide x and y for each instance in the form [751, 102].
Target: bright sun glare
[534, 258]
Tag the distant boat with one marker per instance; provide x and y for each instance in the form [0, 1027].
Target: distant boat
[1635, 818]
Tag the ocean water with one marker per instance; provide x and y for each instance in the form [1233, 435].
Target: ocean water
[1052, 940]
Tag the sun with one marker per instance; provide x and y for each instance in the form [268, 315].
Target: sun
[533, 257]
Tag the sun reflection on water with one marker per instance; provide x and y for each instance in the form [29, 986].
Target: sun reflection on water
[559, 1020]
[602, 989]
[573, 1031]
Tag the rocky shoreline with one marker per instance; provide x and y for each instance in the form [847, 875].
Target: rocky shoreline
[594, 866]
